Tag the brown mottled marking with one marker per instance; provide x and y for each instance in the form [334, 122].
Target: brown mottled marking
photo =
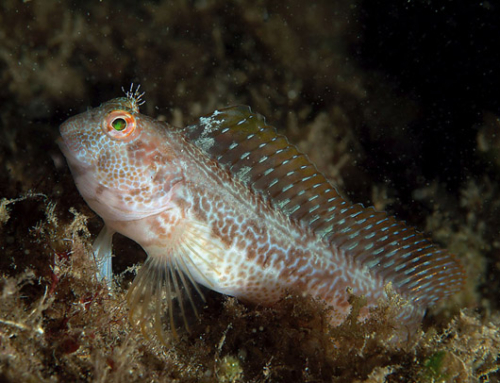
[231, 204]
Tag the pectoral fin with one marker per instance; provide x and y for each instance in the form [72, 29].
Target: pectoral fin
[103, 252]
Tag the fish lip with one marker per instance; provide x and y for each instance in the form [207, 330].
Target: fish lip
[64, 147]
[60, 142]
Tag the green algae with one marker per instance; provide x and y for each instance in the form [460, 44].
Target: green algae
[433, 368]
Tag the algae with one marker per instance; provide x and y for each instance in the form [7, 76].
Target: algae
[302, 66]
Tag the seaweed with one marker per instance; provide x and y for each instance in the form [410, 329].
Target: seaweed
[294, 63]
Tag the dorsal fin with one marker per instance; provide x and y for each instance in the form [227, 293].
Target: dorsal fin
[264, 160]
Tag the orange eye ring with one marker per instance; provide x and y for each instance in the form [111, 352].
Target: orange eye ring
[119, 124]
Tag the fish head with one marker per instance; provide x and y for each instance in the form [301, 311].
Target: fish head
[122, 162]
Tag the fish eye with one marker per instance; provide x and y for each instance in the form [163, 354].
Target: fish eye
[119, 124]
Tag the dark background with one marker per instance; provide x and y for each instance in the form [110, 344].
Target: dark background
[397, 102]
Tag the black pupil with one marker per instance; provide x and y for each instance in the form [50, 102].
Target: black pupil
[119, 124]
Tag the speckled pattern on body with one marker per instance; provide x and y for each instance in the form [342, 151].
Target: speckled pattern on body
[230, 204]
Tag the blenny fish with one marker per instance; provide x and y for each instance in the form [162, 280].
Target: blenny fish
[231, 204]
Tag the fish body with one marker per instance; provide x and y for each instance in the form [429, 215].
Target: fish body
[230, 204]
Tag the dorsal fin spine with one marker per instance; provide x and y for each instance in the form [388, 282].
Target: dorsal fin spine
[263, 158]
[313, 209]
[287, 187]
[314, 219]
[268, 171]
[273, 182]
[368, 246]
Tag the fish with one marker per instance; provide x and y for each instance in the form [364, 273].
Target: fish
[230, 204]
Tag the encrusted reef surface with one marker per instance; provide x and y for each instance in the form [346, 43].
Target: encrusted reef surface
[397, 104]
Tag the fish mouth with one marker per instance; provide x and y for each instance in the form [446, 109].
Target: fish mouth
[63, 146]
[70, 151]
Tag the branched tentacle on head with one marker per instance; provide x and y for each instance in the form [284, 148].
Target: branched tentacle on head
[135, 96]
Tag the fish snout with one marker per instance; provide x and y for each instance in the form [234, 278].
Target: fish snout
[71, 141]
